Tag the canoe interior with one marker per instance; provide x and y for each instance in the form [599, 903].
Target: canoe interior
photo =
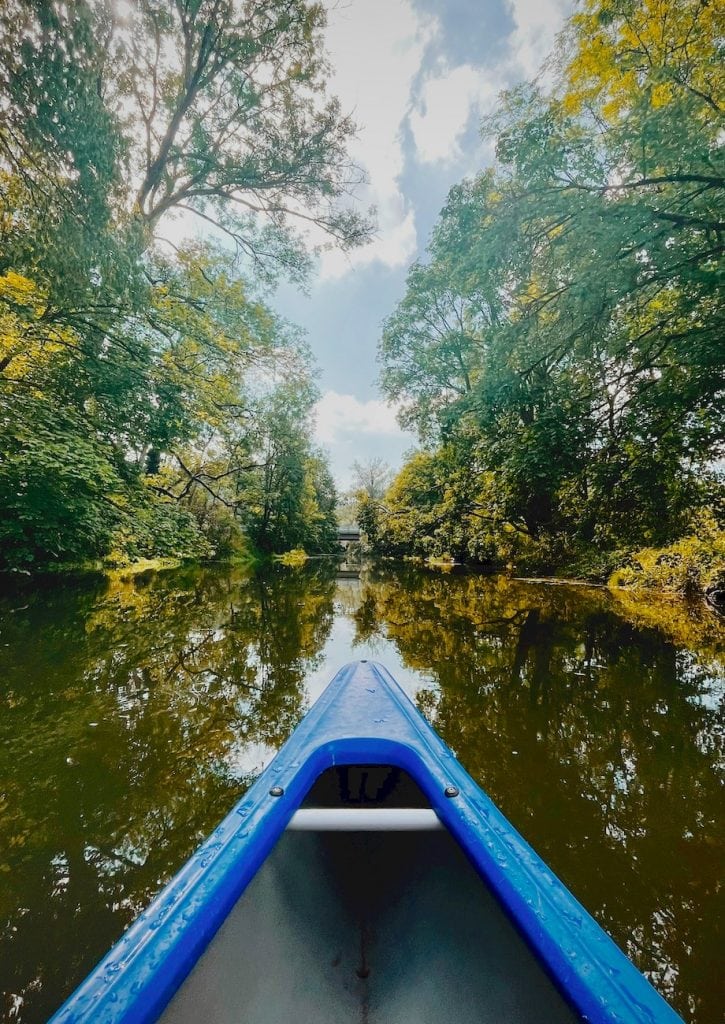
[376, 928]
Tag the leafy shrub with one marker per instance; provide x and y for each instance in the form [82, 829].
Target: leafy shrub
[157, 529]
[689, 566]
[294, 558]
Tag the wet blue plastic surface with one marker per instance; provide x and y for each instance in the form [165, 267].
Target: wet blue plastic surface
[363, 717]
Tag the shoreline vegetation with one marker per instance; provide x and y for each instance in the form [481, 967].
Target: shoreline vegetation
[684, 619]
[692, 566]
[558, 349]
[153, 404]
[679, 577]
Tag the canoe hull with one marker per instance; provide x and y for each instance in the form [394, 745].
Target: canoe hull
[363, 718]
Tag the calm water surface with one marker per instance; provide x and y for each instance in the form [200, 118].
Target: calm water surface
[133, 714]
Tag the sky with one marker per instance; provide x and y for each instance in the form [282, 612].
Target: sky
[417, 76]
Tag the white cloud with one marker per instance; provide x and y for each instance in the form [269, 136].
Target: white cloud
[537, 25]
[342, 416]
[443, 110]
[354, 430]
[376, 48]
[449, 95]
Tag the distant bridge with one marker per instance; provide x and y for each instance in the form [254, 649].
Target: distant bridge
[348, 535]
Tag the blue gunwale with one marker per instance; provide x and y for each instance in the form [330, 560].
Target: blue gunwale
[363, 717]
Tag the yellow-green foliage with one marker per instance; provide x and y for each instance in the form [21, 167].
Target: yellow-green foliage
[689, 566]
[295, 557]
[552, 344]
[649, 50]
[143, 565]
[686, 623]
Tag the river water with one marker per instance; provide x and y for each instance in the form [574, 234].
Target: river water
[133, 713]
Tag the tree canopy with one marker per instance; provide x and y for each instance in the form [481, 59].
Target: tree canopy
[138, 372]
[564, 337]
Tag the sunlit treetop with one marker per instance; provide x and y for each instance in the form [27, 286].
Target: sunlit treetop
[216, 107]
[651, 52]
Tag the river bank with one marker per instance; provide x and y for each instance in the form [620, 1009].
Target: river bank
[691, 568]
[660, 586]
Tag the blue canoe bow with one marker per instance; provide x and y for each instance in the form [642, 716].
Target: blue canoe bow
[362, 718]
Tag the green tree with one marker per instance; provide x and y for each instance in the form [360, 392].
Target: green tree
[214, 107]
[569, 319]
[142, 370]
[288, 500]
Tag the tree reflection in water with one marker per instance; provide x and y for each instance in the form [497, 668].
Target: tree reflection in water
[134, 713]
[133, 717]
[598, 739]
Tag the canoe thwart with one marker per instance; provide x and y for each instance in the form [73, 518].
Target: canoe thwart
[364, 819]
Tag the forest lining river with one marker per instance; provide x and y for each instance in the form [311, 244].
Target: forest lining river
[136, 712]
[232, 261]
